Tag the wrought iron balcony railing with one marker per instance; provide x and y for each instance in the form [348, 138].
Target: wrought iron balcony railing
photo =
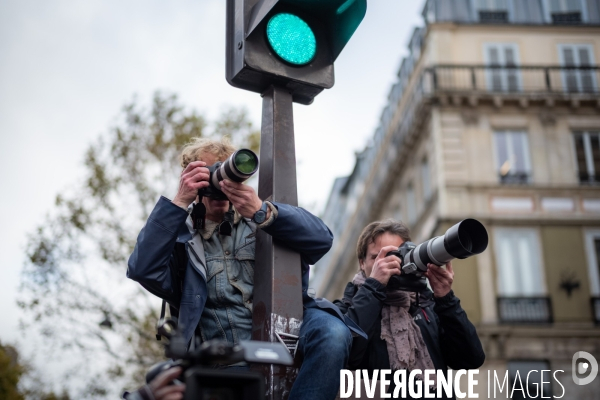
[515, 178]
[567, 18]
[524, 310]
[514, 79]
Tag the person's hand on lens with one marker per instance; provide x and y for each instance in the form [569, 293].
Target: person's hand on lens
[440, 279]
[243, 197]
[385, 266]
[195, 176]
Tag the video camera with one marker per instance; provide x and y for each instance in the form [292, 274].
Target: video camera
[202, 380]
[463, 240]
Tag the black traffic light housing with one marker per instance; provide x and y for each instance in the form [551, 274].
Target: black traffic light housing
[251, 63]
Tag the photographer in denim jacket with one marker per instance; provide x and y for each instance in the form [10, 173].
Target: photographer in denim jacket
[214, 296]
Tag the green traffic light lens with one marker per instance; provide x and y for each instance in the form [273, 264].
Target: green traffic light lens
[245, 161]
[291, 38]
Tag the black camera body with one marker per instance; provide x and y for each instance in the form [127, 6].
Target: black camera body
[411, 279]
[203, 380]
[212, 191]
[463, 240]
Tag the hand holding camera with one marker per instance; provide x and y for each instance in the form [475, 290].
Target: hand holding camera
[386, 265]
[193, 178]
[440, 279]
[243, 197]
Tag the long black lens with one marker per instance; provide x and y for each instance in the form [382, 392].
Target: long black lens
[466, 239]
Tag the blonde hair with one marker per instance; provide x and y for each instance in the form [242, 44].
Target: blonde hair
[220, 148]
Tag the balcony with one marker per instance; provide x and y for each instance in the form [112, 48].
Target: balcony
[470, 85]
[596, 309]
[567, 18]
[586, 179]
[524, 310]
[514, 79]
[518, 178]
[493, 17]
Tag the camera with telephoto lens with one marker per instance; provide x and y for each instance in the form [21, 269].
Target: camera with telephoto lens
[463, 240]
[238, 167]
[202, 380]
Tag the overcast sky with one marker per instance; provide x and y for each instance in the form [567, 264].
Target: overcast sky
[67, 68]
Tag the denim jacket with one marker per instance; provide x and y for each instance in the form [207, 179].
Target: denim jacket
[154, 263]
[227, 314]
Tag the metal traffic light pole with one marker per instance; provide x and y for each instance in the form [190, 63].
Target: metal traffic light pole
[277, 310]
[263, 57]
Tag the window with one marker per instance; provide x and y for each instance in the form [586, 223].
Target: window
[502, 74]
[425, 179]
[592, 247]
[411, 204]
[565, 11]
[587, 152]
[518, 262]
[512, 156]
[492, 11]
[529, 379]
[575, 77]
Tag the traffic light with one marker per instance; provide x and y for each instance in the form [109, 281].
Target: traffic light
[288, 43]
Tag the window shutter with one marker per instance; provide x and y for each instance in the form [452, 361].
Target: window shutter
[587, 79]
[496, 74]
[580, 154]
[509, 56]
[568, 56]
[511, 74]
[494, 57]
[501, 149]
[570, 75]
[595, 144]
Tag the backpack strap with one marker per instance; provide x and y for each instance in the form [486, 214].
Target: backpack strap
[181, 260]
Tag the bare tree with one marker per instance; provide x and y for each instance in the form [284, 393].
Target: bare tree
[73, 290]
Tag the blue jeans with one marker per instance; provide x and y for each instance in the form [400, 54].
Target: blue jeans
[325, 346]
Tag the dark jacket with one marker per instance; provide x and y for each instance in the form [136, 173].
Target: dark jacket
[450, 337]
[154, 262]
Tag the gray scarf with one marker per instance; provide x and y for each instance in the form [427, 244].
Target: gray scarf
[405, 345]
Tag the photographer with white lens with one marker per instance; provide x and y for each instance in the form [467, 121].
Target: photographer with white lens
[406, 330]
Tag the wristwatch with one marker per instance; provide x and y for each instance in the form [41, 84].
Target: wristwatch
[261, 215]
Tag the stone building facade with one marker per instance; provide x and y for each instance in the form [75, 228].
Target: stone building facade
[495, 116]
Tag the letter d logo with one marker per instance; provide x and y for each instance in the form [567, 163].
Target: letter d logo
[591, 365]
